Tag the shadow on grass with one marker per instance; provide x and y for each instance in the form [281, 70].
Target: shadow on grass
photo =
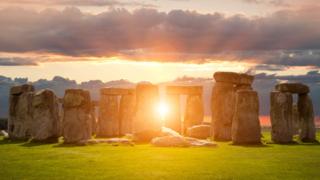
[35, 143]
[261, 145]
[296, 143]
[7, 141]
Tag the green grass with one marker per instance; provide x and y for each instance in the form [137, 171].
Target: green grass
[19, 160]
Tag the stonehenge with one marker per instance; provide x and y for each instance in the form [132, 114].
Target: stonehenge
[77, 119]
[284, 116]
[227, 106]
[41, 116]
[116, 112]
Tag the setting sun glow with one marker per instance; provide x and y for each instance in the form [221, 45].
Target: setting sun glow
[162, 110]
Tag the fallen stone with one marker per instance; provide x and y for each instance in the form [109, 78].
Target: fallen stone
[281, 117]
[293, 88]
[170, 141]
[246, 125]
[168, 132]
[180, 141]
[146, 135]
[4, 134]
[200, 143]
[199, 131]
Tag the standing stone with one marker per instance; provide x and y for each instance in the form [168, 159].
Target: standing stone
[194, 112]
[77, 116]
[127, 107]
[246, 125]
[173, 120]
[306, 113]
[245, 82]
[94, 117]
[223, 107]
[46, 123]
[295, 120]
[20, 112]
[281, 117]
[108, 116]
[147, 123]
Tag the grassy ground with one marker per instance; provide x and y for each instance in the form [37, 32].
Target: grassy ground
[19, 160]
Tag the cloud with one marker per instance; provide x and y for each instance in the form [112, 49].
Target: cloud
[87, 3]
[269, 2]
[16, 61]
[287, 37]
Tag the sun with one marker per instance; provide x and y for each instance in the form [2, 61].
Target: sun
[162, 109]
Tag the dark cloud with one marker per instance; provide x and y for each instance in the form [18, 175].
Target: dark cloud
[288, 38]
[15, 61]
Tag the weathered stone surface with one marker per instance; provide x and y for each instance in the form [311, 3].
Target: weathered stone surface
[77, 116]
[76, 98]
[199, 131]
[46, 123]
[281, 117]
[295, 120]
[117, 91]
[293, 88]
[109, 122]
[169, 132]
[246, 125]
[246, 79]
[127, 107]
[227, 77]
[194, 111]
[147, 123]
[173, 119]
[188, 90]
[17, 90]
[223, 107]
[306, 113]
[20, 112]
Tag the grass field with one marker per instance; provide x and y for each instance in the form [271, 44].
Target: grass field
[19, 160]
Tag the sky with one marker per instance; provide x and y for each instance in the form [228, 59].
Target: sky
[157, 40]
